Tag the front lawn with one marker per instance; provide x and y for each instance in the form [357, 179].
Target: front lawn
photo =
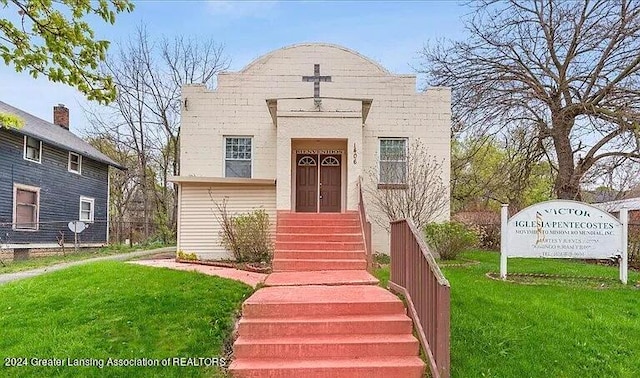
[120, 311]
[546, 329]
[70, 256]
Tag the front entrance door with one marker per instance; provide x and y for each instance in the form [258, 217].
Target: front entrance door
[318, 183]
[330, 183]
[307, 183]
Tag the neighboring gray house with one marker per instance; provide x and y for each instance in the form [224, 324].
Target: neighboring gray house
[49, 177]
[614, 207]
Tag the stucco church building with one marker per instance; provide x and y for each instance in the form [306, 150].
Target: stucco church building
[295, 131]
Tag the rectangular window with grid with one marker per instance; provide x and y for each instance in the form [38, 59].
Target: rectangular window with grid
[75, 163]
[393, 160]
[238, 157]
[86, 209]
[32, 149]
[26, 204]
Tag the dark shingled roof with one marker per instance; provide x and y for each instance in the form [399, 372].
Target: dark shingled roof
[56, 135]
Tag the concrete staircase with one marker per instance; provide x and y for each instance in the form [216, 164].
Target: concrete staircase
[325, 241]
[336, 322]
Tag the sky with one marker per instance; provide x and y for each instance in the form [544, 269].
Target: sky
[389, 32]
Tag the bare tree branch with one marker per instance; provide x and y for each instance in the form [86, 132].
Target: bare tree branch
[420, 193]
[569, 70]
[145, 117]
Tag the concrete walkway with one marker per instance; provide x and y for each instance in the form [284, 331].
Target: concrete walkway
[9, 277]
[250, 278]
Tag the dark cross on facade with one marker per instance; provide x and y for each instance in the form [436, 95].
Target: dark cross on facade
[316, 79]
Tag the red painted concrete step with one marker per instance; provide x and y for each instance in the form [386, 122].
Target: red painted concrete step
[319, 245]
[333, 237]
[309, 254]
[326, 346]
[321, 277]
[304, 229]
[381, 367]
[347, 215]
[328, 325]
[347, 222]
[317, 300]
[297, 265]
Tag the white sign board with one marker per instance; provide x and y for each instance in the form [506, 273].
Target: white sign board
[564, 229]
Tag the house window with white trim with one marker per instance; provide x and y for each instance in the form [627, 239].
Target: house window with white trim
[86, 209]
[238, 157]
[393, 161]
[75, 163]
[32, 149]
[26, 208]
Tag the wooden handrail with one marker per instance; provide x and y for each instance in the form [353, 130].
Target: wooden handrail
[416, 275]
[365, 227]
[426, 252]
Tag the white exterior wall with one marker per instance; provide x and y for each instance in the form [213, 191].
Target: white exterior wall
[424, 116]
[238, 107]
[199, 230]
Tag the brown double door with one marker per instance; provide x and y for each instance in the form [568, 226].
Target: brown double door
[318, 183]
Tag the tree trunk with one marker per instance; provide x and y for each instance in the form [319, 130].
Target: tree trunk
[566, 185]
[145, 196]
[176, 172]
[567, 188]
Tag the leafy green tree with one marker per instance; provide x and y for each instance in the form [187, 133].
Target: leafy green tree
[486, 174]
[10, 121]
[52, 38]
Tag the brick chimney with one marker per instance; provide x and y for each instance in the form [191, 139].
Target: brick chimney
[61, 116]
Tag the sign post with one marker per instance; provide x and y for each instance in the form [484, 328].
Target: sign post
[564, 229]
[624, 258]
[504, 217]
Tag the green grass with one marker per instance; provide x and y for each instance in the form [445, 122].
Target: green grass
[117, 310]
[458, 261]
[382, 274]
[83, 254]
[503, 329]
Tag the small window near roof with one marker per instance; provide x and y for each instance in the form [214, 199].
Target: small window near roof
[86, 209]
[75, 163]
[32, 149]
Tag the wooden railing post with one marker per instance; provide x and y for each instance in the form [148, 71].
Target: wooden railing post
[392, 252]
[408, 254]
[443, 332]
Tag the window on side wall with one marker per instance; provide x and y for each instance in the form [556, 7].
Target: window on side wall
[86, 209]
[75, 163]
[238, 157]
[393, 161]
[32, 149]
[26, 208]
